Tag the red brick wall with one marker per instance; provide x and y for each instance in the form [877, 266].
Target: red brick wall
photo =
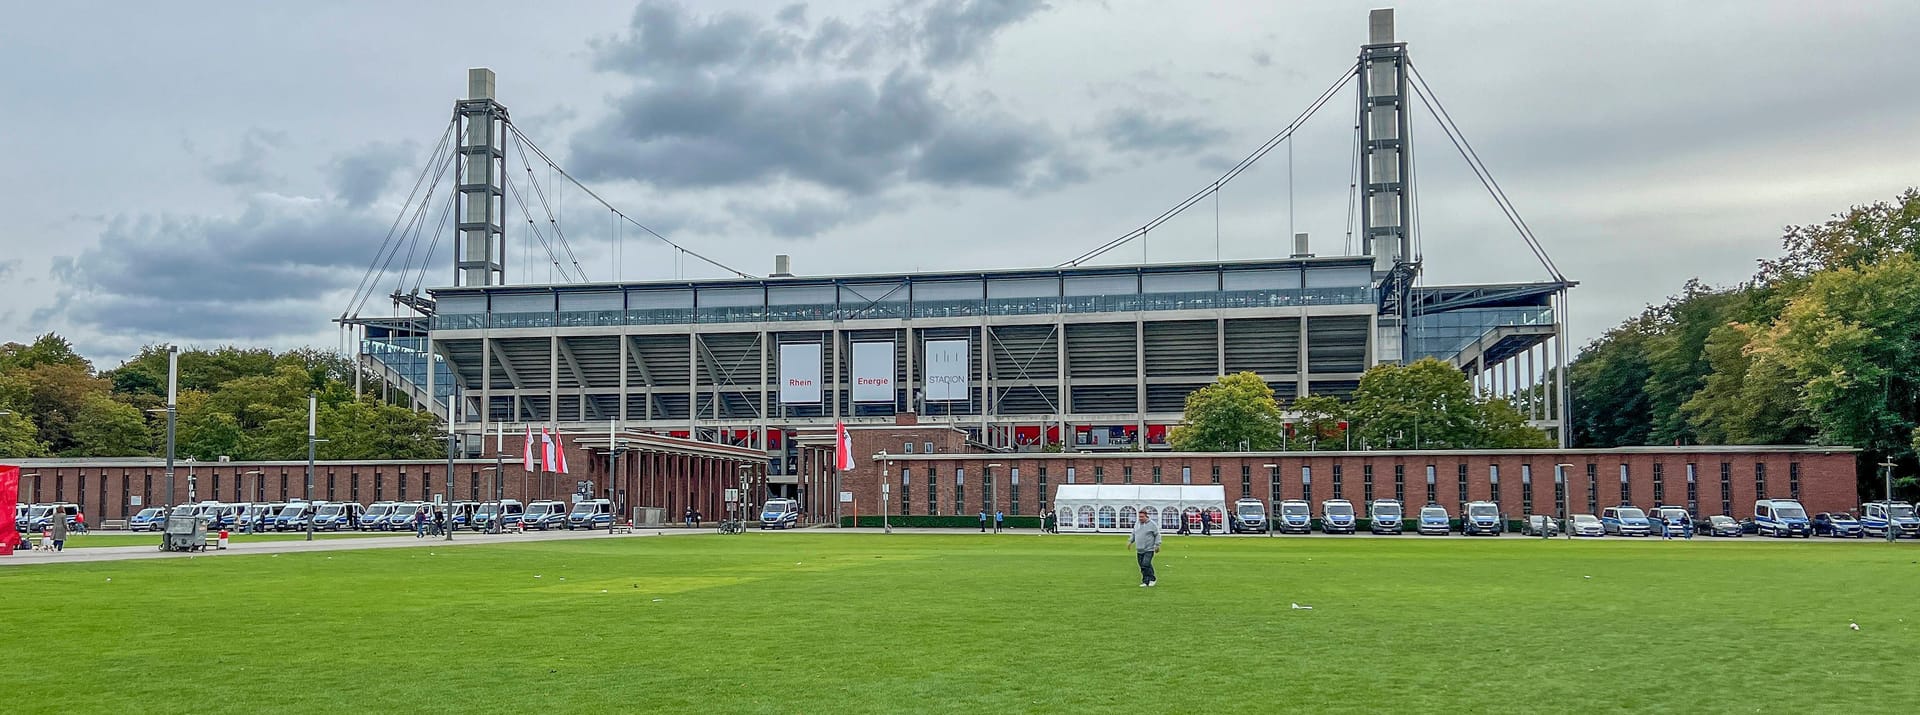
[1827, 480]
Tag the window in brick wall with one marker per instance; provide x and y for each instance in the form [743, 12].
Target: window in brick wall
[987, 488]
[1273, 484]
[1463, 488]
[473, 486]
[1100, 475]
[1430, 487]
[1126, 475]
[1593, 488]
[283, 487]
[59, 489]
[1793, 480]
[402, 486]
[1338, 490]
[1526, 490]
[353, 486]
[1306, 483]
[146, 490]
[933, 491]
[1186, 475]
[1760, 481]
[1626, 488]
[330, 496]
[907, 448]
[1366, 483]
[1726, 488]
[928, 448]
[1693, 488]
[1659, 484]
[1246, 480]
[1493, 482]
[1043, 489]
[906, 491]
[36, 488]
[1069, 475]
[1400, 483]
[1156, 474]
[1216, 474]
[80, 481]
[125, 483]
[1013, 479]
[959, 491]
[380, 487]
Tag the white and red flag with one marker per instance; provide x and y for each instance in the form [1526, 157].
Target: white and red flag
[547, 461]
[560, 453]
[843, 446]
[526, 450]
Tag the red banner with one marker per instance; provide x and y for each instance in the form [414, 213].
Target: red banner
[9, 500]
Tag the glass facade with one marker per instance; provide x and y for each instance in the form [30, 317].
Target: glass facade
[1443, 335]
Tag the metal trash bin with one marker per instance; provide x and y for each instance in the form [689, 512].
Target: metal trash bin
[184, 533]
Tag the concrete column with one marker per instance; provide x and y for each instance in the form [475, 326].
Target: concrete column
[907, 378]
[1301, 385]
[693, 384]
[1140, 378]
[625, 365]
[834, 361]
[764, 411]
[1062, 377]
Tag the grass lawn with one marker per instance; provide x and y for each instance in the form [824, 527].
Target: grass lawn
[96, 540]
[800, 623]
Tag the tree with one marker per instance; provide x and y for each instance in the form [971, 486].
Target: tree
[19, 436]
[1431, 405]
[53, 394]
[1850, 342]
[48, 349]
[367, 429]
[1320, 419]
[1860, 237]
[105, 427]
[1608, 381]
[1235, 410]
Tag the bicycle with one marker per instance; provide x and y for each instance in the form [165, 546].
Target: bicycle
[732, 526]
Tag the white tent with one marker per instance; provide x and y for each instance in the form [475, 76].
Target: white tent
[1111, 508]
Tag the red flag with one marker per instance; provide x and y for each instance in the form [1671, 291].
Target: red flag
[1343, 425]
[843, 445]
[560, 453]
[9, 498]
[526, 450]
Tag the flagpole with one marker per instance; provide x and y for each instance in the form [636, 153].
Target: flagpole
[613, 467]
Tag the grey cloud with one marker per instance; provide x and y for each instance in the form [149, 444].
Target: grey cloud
[247, 275]
[7, 267]
[361, 175]
[1136, 130]
[248, 169]
[799, 218]
[1263, 58]
[710, 106]
[955, 31]
[795, 14]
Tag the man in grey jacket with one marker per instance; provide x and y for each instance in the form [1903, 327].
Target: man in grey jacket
[1146, 542]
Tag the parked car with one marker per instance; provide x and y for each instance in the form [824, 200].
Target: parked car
[1781, 518]
[779, 514]
[1721, 525]
[1587, 525]
[544, 515]
[1538, 524]
[1837, 524]
[1672, 520]
[1337, 517]
[590, 514]
[294, 516]
[401, 518]
[1294, 516]
[509, 511]
[1625, 521]
[1384, 516]
[1877, 517]
[375, 517]
[1482, 517]
[338, 516]
[1249, 516]
[152, 518]
[1435, 521]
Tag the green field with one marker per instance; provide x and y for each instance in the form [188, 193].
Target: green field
[802, 623]
[97, 540]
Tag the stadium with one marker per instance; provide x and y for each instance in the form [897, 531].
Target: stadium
[1091, 357]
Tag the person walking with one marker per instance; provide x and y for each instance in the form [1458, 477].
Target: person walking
[999, 520]
[420, 523]
[1145, 541]
[1206, 524]
[59, 531]
[1046, 522]
[80, 522]
[439, 523]
[983, 521]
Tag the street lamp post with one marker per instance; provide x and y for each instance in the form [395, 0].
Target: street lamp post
[246, 524]
[173, 414]
[886, 476]
[191, 497]
[1272, 508]
[1566, 499]
[313, 441]
[1889, 505]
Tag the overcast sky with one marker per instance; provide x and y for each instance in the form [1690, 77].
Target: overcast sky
[211, 173]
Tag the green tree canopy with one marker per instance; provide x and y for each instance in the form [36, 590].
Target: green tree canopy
[1235, 410]
[1319, 419]
[1429, 404]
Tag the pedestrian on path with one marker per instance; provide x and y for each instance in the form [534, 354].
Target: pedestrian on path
[59, 529]
[80, 522]
[1145, 541]
[983, 521]
[999, 520]
[420, 524]
[1206, 524]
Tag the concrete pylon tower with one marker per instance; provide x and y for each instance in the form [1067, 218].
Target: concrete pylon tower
[1386, 189]
[480, 253]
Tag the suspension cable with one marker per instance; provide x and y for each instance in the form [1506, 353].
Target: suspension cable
[376, 270]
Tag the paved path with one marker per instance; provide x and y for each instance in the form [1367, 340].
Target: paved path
[126, 553]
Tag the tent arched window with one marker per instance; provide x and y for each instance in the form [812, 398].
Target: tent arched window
[1086, 517]
[1107, 517]
[1215, 515]
[1192, 515]
[1126, 517]
[1170, 518]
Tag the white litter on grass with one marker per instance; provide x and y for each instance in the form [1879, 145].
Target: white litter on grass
[657, 600]
[536, 575]
[111, 581]
[1854, 626]
[603, 590]
[1586, 577]
[1299, 607]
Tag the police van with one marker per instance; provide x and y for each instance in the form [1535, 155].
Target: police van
[779, 514]
[1877, 517]
[1781, 518]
